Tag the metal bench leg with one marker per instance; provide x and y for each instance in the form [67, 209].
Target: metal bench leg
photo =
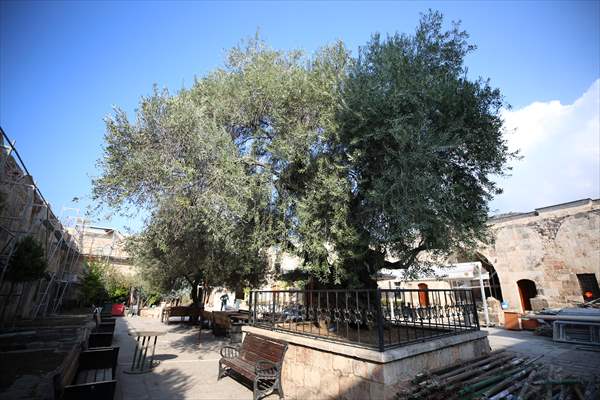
[279, 388]
[221, 371]
[255, 392]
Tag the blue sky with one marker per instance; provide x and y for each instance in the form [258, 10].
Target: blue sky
[64, 65]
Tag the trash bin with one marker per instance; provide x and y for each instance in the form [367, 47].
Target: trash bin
[235, 332]
[511, 321]
[529, 323]
[118, 310]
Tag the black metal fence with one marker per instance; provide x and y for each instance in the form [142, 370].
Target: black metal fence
[374, 318]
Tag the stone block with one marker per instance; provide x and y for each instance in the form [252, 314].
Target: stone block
[290, 390]
[367, 370]
[302, 355]
[342, 364]
[346, 383]
[312, 377]
[330, 385]
[538, 303]
[321, 360]
[305, 393]
[290, 354]
[294, 374]
[376, 390]
[360, 390]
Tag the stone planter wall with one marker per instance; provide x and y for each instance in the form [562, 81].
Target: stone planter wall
[315, 368]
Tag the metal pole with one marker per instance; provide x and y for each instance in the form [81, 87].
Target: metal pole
[393, 305]
[485, 307]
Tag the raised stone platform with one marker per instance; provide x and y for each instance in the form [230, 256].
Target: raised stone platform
[35, 354]
[316, 368]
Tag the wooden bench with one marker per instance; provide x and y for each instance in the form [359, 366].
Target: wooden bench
[259, 359]
[100, 339]
[93, 375]
[106, 327]
[206, 319]
[180, 311]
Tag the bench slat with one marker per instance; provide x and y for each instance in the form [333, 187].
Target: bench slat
[257, 348]
[241, 367]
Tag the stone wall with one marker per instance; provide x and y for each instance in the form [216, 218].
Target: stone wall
[318, 369]
[549, 246]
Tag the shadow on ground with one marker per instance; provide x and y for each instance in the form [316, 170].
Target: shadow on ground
[188, 365]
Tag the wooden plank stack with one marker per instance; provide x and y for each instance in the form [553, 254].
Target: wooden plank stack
[502, 375]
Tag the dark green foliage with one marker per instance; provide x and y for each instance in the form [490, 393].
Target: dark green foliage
[28, 262]
[421, 143]
[92, 288]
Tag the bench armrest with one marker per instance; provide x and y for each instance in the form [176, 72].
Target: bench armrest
[229, 352]
[266, 369]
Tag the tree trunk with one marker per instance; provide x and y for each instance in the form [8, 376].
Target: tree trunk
[195, 299]
[194, 293]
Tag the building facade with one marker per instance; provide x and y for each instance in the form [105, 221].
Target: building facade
[106, 245]
[549, 257]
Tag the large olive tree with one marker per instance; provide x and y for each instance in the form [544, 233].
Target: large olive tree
[354, 164]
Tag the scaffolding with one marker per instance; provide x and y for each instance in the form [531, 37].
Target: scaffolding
[25, 212]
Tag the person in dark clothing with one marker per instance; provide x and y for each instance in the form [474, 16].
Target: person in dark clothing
[224, 300]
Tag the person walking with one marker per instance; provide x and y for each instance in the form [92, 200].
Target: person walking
[224, 299]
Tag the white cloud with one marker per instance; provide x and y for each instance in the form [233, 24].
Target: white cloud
[560, 145]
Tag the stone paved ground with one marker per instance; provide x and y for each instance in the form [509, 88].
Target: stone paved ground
[188, 367]
[189, 361]
[564, 355]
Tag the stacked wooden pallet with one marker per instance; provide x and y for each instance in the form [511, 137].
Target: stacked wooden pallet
[502, 375]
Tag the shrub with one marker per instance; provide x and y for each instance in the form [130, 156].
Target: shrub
[28, 262]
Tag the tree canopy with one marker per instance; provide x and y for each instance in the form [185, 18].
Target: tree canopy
[353, 163]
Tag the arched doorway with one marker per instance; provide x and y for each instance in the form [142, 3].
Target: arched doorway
[527, 291]
[423, 295]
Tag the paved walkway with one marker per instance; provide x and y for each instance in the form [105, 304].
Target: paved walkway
[565, 355]
[187, 370]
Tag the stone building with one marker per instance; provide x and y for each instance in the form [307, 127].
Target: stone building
[549, 257]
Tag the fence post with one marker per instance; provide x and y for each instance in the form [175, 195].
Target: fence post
[250, 308]
[475, 315]
[273, 311]
[379, 319]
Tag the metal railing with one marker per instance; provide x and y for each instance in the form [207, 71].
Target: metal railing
[373, 318]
